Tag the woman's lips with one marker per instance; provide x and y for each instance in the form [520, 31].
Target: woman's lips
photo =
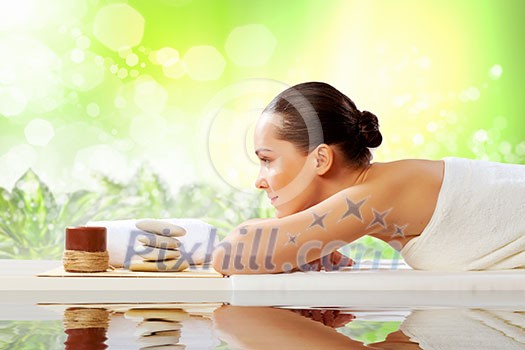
[273, 199]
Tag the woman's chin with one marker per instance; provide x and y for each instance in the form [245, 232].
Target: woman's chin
[278, 214]
[281, 212]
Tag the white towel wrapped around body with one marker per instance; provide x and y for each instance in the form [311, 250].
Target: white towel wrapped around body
[197, 244]
[478, 222]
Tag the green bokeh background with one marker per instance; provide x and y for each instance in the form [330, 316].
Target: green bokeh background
[444, 77]
[92, 88]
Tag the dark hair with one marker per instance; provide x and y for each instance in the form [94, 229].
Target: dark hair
[314, 113]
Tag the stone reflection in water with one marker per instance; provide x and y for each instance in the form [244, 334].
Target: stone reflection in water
[158, 328]
[138, 326]
[86, 328]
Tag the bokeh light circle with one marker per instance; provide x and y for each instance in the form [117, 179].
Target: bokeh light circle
[13, 101]
[251, 46]
[149, 95]
[118, 26]
[204, 63]
[167, 56]
[83, 75]
[39, 132]
[29, 79]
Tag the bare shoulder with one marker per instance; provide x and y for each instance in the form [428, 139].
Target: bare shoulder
[403, 180]
[408, 169]
[410, 189]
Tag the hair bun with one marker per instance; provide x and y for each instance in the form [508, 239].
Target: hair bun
[369, 130]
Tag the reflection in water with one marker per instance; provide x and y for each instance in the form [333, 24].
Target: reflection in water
[158, 328]
[263, 328]
[86, 328]
[140, 326]
[330, 318]
[222, 327]
[466, 329]
[36, 334]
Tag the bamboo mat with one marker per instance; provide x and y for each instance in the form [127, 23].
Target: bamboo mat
[197, 272]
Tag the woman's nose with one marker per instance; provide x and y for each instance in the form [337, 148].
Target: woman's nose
[261, 183]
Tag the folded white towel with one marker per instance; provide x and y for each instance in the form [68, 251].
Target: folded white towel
[478, 222]
[466, 329]
[197, 244]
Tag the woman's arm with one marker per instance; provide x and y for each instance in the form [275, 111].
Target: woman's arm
[266, 328]
[277, 245]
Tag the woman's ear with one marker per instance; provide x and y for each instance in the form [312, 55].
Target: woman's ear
[324, 156]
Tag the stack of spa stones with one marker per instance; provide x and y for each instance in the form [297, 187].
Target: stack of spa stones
[158, 328]
[158, 249]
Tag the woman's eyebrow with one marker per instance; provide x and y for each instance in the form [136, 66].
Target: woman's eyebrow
[259, 150]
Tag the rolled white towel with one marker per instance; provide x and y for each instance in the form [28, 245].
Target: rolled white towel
[197, 244]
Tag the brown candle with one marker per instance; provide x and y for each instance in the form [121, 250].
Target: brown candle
[86, 239]
[86, 249]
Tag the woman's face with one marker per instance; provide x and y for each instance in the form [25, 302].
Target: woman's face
[287, 175]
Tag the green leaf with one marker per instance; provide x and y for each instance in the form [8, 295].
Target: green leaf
[38, 204]
[6, 213]
[153, 191]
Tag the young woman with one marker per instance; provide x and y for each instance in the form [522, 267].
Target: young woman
[314, 150]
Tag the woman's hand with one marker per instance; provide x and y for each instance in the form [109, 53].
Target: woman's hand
[331, 262]
[330, 318]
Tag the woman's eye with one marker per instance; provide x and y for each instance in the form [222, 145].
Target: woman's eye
[265, 161]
